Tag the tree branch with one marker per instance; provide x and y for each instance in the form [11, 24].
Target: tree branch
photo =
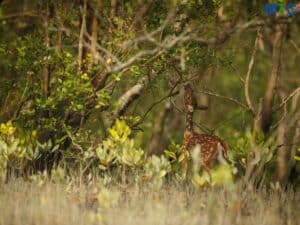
[250, 68]
[126, 99]
[20, 14]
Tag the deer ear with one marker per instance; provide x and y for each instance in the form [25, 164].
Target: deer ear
[202, 107]
[190, 108]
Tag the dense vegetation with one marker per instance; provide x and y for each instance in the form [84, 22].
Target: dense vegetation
[92, 94]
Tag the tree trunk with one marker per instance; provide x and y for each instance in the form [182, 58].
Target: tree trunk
[158, 143]
[46, 69]
[283, 151]
[113, 9]
[272, 82]
[81, 36]
[94, 40]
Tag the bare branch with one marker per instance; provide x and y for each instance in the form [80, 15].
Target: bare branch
[226, 33]
[167, 44]
[126, 99]
[20, 14]
[150, 36]
[102, 49]
[250, 68]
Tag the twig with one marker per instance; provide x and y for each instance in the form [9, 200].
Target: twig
[227, 120]
[153, 105]
[295, 45]
[149, 36]
[287, 99]
[76, 145]
[22, 101]
[284, 112]
[174, 105]
[291, 144]
[171, 94]
[204, 128]
[225, 97]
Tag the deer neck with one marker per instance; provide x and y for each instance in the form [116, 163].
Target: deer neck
[189, 122]
[190, 105]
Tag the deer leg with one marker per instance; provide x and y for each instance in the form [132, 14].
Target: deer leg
[184, 165]
[207, 166]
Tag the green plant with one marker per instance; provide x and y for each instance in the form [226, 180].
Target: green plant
[118, 148]
[16, 148]
[156, 168]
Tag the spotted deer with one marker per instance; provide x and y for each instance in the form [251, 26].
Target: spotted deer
[211, 147]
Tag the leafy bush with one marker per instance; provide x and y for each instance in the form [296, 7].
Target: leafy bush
[119, 156]
[16, 149]
[118, 148]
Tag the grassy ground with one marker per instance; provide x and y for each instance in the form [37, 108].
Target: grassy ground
[23, 202]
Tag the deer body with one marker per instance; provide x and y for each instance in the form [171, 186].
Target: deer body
[211, 147]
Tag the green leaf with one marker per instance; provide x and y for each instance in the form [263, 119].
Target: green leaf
[181, 157]
[297, 158]
[170, 154]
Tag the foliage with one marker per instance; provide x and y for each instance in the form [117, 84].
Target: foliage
[16, 149]
[222, 174]
[65, 68]
[156, 169]
[93, 112]
[118, 148]
[175, 156]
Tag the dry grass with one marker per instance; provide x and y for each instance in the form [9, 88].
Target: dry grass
[29, 203]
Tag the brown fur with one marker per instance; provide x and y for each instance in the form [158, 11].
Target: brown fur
[208, 146]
